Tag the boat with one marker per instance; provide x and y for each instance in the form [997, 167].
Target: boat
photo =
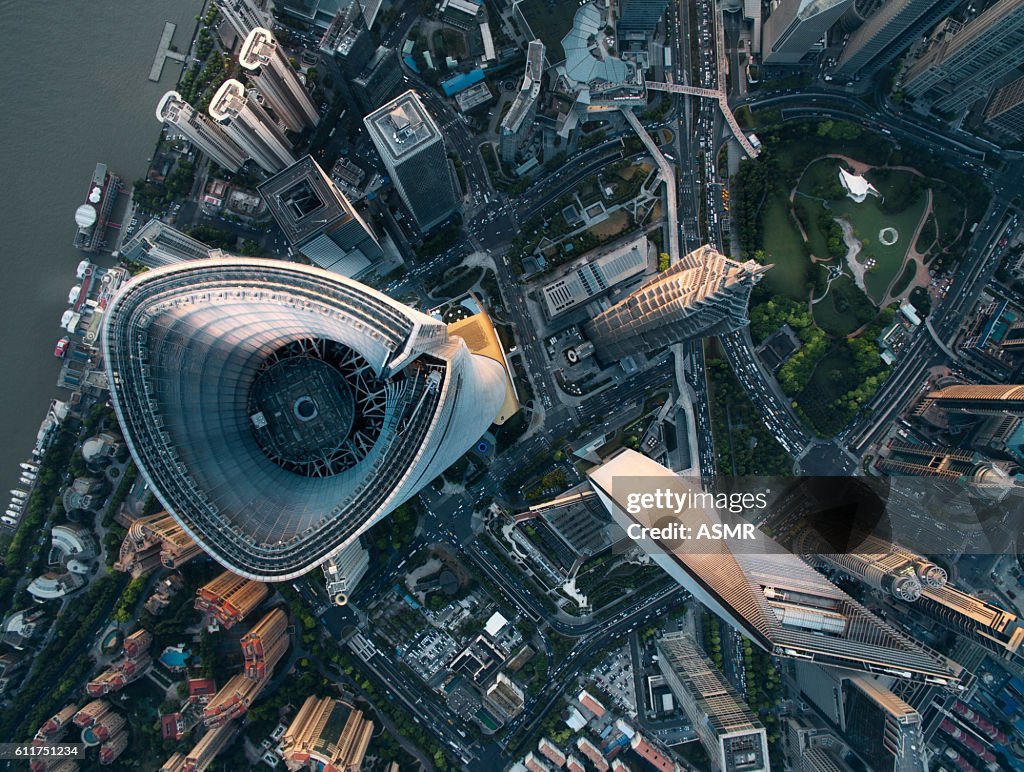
[61, 348]
[18, 493]
[74, 293]
[82, 266]
[93, 214]
[28, 467]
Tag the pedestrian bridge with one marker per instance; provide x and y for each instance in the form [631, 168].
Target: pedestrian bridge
[723, 104]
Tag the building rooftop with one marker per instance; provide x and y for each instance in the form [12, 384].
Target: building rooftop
[304, 201]
[402, 126]
[603, 269]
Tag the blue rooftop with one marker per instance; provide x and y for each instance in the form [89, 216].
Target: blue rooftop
[462, 81]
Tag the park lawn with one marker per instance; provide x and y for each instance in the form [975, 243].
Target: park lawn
[550, 22]
[784, 247]
[949, 214]
[827, 384]
[807, 211]
[844, 309]
[868, 220]
[905, 278]
[613, 225]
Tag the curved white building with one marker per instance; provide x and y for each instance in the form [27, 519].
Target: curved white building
[278, 411]
[275, 79]
[243, 119]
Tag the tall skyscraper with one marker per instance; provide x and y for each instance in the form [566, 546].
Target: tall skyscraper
[882, 727]
[734, 739]
[413, 151]
[887, 567]
[378, 81]
[326, 734]
[704, 293]
[764, 592]
[243, 16]
[207, 136]
[251, 127]
[796, 26]
[982, 399]
[345, 50]
[887, 33]
[343, 571]
[319, 221]
[518, 121]
[639, 16]
[963, 68]
[276, 80]
[951, 464]
[1005, 110]
[278, 411]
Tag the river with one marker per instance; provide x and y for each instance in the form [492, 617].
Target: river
[77, 93]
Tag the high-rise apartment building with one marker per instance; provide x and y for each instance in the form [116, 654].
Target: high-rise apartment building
[963, 68]
[518, 121]
[887, 33]
[796, 26]
[243, 16]
[204, 752]
[734, 739]
[326, 734]
[208, 137]
[764, 592]
[276, 80]
[319, 221]
[279, 411]
[152, 541]
[413, 151]
[230, 598]
[704, 293]
[244, 120]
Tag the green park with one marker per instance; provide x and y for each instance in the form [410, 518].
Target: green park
[853, 224]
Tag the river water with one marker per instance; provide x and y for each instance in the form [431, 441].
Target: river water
[76, 92]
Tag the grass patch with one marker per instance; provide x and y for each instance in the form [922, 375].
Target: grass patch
[949, 212]
[613, 225]
[905, 278]
[868, 221]
[828, 383]
[784, 247]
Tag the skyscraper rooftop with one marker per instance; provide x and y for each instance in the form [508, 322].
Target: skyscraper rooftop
[278, 411]
[402, 126]
[765, 592]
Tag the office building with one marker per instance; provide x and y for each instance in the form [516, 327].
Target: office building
[1001, 436]
[796, 27]
[245, 120]
[276, 80]
[704, 293]
[326, 734]
[378, 81]
[243, 16]
[156, 244]
[517, 124]
[640, 16]
[887, 33]
[960, 69]
[977, 400]
[995, 628]
[734, 739]
[887, 567]
[413, 151]
[319, 221]
[764, 592]
[942, 463]
[599, 272]
[278, 411]
[208, 137]
[505, 697]
[883, 728]
[1005, 111]
[230, 598]
[345, 49]
[343, 571]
